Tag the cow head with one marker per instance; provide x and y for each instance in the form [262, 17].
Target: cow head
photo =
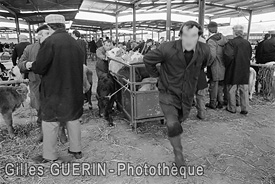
[22, 90]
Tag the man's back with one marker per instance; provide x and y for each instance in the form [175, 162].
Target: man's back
[18, 51]
[238, 54]
[268, 50]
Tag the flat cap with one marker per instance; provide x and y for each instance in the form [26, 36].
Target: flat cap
[238, 28]
[212, 25]
[23, 37]
[55, 18]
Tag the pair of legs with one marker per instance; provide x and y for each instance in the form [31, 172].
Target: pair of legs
[216, 92]
[242, 90]
[50, 135]
[174, 117]
[200, 103]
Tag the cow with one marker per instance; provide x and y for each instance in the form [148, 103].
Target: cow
[11, 98]
[105, 89]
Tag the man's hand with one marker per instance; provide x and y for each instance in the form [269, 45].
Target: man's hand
[29, 65]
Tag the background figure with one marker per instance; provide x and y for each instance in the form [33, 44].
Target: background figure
[93, 48]
[237, 53]
[216, 71]
[102, 65]
[77, 36]
[24, 64]
[19, 48]
[144, 48]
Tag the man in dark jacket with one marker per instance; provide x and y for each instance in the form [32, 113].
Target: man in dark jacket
[181, 64]
[237, 55]
[268, 49]
[216, 71]
[143, 47]
[259, 50]
[19, 48]
[61, 89]
[92, 47]
[77, 36]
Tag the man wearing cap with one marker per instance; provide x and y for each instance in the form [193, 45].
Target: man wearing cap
[77, 36]
[216, 71]
[24, 64]
[237, 55]
[268, 49]
[61, 89]
[19, 48]
[181, 63]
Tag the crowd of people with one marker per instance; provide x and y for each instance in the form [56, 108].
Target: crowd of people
[54, 66]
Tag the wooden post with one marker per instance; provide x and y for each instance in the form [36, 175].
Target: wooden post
[201, 12]
[249, 24]
[17, 27]
[116, 28]
[30, 32]
[168, 21]
[134, 23]
[111, 34]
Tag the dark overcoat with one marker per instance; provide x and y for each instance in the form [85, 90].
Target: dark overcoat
[177, 82]
[61, 89]
[237, 55]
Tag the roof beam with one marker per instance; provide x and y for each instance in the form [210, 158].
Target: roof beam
[226, 6]
[164, 4]
[22, 15]
[113, 2]
[93, 11]
[9, 10]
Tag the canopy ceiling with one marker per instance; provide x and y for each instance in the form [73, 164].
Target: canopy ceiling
[34, 11]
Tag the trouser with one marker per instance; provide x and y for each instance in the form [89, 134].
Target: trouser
[244, 97]
[174, 117]
[200, 102]
[50, 134]
[216, 92]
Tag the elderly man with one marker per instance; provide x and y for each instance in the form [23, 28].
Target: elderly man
[19, 48]
[61, 89]
[24, 64]
[237, 55]
[181, 63]
[216, 42]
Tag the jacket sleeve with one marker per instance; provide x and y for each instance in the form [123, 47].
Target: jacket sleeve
[152, 58]
[23, 60]
[99, 54]
[44, 58]
[228, 53]
[14, 56]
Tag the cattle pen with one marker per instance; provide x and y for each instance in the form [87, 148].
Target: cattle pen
[138, 106]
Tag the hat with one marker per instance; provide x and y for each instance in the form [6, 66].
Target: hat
[212, 25]
[23, 37]
[55, 18]
[238, 28]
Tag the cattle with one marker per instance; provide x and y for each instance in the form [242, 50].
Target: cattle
[11, 98]
[105, 88]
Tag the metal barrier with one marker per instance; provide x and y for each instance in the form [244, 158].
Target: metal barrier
[138, 106]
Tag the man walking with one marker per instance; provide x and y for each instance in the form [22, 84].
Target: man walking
[216, 71]
[181, 63]
[61, 88]
[237, 55]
